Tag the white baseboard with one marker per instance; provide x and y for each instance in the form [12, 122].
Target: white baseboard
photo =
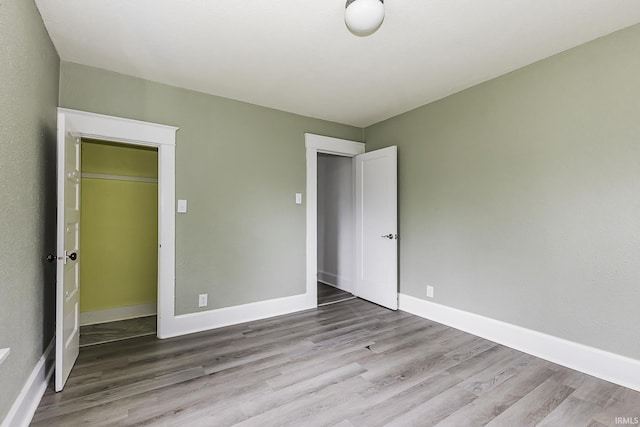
[334, 280]
[608, 366]
[25, 405]
[218, 318]
[120, 313]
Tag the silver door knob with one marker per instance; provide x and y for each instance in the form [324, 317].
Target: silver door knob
[388, 236]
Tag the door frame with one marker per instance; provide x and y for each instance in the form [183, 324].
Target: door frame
[134, 132]
[319, 144]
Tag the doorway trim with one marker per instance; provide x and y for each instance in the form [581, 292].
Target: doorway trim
[163, 137]
[319, 144]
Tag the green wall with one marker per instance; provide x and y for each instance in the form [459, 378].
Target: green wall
[119, 224]
[29, 90]
[519, 198]
[239, 166]
[109, 158]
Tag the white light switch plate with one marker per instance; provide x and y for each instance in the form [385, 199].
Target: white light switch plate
[182, 206]
[298, 198]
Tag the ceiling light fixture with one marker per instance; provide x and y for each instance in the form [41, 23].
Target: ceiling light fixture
[364, 17]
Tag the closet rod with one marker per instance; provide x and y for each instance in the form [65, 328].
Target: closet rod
[118, 177]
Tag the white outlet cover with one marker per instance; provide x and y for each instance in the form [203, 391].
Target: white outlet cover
[298, 198]
[202, 300]
[429, 291]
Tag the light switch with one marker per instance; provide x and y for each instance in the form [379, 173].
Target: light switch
[298, 198]
[182, 206]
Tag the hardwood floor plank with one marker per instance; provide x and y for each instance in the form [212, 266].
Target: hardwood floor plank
[572, 411]
[351, 363]
[210, 400]
[308, 386]
[402, 378]
[110, 413]
[289, 378]
[429, 349]
[492, 356]
[535, 406]
[494, 401]
[108, 394]
[118, 330]
[309, 409]
[405, 332]
[494, 375]
[595, 391]
[623, 403]
[385, 408]
[330, 294]
[435, 409]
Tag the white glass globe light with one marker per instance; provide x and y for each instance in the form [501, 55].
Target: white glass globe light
[364, 17]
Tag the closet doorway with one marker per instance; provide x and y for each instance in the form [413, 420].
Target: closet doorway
[119, 241]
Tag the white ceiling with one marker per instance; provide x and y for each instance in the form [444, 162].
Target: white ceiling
[298, 56]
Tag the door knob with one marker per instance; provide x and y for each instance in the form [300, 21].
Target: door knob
[72, 256]
[388, 236]
[51, 257]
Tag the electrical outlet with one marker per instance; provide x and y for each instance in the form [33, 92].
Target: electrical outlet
[202, 300]
[429, 291]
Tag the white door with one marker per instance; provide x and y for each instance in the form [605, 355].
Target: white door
[68, 258]
[376, 226]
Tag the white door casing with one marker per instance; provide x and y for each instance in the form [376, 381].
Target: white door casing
[319, 144]
[97, 126]
[68, 253]
[377, 227]
[315, 144]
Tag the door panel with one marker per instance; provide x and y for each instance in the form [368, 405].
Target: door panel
[376, 227]
[68, 250]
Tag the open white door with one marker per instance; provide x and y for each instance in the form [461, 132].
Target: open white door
[376, 226]
[68, 252]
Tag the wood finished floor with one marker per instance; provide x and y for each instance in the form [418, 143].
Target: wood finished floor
[330, 294]
[116, 331]
[347, 364]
